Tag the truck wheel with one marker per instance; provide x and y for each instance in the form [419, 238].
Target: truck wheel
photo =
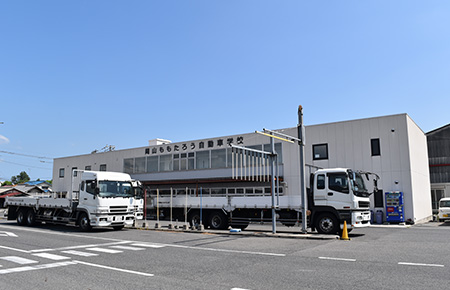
[31, 218]
[84, 223]
[194, 218]
[327, 224]
[21, 220]
[218, 220]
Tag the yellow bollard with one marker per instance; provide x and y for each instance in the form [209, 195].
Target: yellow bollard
[345, 233]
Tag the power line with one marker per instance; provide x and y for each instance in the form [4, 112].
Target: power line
[26, 155]
[3, 161]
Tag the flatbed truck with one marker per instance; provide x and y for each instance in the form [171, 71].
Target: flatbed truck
[95, 199]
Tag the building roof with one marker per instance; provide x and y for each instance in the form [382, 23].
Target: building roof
[438, 129]
[37, 182]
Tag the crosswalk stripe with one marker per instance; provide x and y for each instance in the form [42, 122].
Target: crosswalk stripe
[51, 256]
[127, 248]
[19, 260]
[104, 250]
[79, 253]
[148, 245]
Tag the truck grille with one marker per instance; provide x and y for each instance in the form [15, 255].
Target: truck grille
[364, 203]
[118, 209]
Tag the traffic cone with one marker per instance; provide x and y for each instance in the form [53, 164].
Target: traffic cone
[345, 233]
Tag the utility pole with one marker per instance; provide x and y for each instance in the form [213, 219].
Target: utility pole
[301, 143]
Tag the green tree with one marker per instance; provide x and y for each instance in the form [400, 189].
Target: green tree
[6, 183]
[21, 178]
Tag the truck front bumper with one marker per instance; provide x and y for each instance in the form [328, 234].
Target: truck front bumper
[112, 220]
[360, 219]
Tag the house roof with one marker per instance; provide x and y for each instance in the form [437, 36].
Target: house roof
[37, 182]
[438, 129]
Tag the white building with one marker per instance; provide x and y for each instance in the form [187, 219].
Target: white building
[394, 147]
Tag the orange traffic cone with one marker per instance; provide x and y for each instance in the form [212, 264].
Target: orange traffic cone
[345, 233]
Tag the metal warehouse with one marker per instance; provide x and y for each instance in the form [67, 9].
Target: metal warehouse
[393, 147]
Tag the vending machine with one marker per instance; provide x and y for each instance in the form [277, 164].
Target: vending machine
[394, 207]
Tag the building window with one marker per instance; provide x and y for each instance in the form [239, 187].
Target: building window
[139, 165]
[152, 164]
[320, 151]
[165, 163]
[218, 158]
[74, 171]
[102, 167]
[61, 172]
[375, 146]
[88, 167]
[202, 159]
[128, 165]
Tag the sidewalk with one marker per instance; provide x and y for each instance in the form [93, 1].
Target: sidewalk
[255, 230]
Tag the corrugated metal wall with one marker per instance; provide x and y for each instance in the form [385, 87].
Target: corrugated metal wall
[439, 154]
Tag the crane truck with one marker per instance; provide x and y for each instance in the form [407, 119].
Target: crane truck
[95, 199]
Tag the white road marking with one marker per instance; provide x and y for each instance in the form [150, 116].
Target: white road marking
[127, 248]
[337, 259]
[7, 234]
[51, 256]
[148, 245]
[79, 247]
[115, 269]
[19, 260]
[104, 250]
[78, 253]
[14, 249]
[37, 267]
[226, 251]
[420, 264]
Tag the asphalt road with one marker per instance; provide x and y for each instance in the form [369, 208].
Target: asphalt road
[58, 257]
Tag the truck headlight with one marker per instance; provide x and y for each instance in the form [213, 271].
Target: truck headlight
[102, 211]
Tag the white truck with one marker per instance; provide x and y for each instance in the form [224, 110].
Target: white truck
[95, 199]
[335, 195]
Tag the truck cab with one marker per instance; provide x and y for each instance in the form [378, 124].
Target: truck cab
[338, 195]
[104, 199]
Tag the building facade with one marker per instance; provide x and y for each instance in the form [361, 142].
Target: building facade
[439, 162]
[393, 147]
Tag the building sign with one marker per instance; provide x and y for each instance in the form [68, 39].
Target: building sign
[193, 145]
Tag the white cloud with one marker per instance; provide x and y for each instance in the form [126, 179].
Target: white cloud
[3, 140]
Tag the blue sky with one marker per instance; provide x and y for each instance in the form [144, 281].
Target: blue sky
[77, 75]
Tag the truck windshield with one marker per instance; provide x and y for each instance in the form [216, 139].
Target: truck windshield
[444, 203]
[115, 189]
[359, 186]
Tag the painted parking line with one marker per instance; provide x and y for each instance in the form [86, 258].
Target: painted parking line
[79, 253]
[148, 245]
[104, 250]
[115, 269]
[337, 259]
[127, 248]
[36, 267]
[420, 264]
[51, 256]
[19, 260]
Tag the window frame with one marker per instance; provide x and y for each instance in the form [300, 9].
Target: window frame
[314, 146]
[375, 147]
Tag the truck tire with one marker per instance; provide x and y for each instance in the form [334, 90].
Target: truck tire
[31, 218]
[327, 224]
[21, 217]
[218, 220]
[84, 222]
